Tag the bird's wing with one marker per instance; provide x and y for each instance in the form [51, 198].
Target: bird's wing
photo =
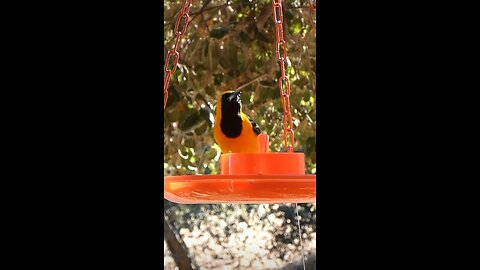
[255, 126]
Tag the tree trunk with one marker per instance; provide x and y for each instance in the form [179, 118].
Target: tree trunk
[310, 264]
[177, 247]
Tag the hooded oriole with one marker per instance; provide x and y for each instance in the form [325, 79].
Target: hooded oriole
[234, 131]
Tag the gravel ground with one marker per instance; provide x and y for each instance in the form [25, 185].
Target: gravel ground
[251, 246]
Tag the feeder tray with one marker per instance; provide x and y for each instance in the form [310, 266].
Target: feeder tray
[247, 178]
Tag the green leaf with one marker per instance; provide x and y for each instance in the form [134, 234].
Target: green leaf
[205, 48]
[219, 31]
[217, 79]
[205, 113]
[190, 142]
[310, 147]
[191, 122]
[173, 96]
[200, 130]
[287, 14]
[296, 26]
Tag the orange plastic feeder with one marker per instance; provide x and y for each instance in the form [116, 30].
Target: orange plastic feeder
[247, 178]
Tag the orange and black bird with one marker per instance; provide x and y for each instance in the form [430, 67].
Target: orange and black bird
[234, 131]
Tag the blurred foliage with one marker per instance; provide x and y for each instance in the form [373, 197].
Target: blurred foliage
[229, 44]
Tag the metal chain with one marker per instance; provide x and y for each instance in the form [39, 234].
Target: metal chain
[281, 46]
[182, 16]
[312, 7]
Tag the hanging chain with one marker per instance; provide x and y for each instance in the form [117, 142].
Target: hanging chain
[182, 16]
[313, 6]
[281, 52]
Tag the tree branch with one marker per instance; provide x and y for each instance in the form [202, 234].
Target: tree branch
[310, 264]
[250, 82]
[177, 247]
[194, 14]
[201, 10]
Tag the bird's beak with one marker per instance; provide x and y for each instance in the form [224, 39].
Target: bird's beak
[235, 95]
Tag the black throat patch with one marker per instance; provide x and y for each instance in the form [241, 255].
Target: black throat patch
[231, 123]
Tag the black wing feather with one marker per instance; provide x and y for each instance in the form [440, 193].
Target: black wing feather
[255, 126]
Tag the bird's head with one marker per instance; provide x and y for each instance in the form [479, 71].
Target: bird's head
[231, 101]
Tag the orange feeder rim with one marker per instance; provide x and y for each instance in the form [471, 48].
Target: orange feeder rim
[247, 178]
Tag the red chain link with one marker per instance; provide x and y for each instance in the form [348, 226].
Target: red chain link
[182, 16]
[281, 53]
[312, 7]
